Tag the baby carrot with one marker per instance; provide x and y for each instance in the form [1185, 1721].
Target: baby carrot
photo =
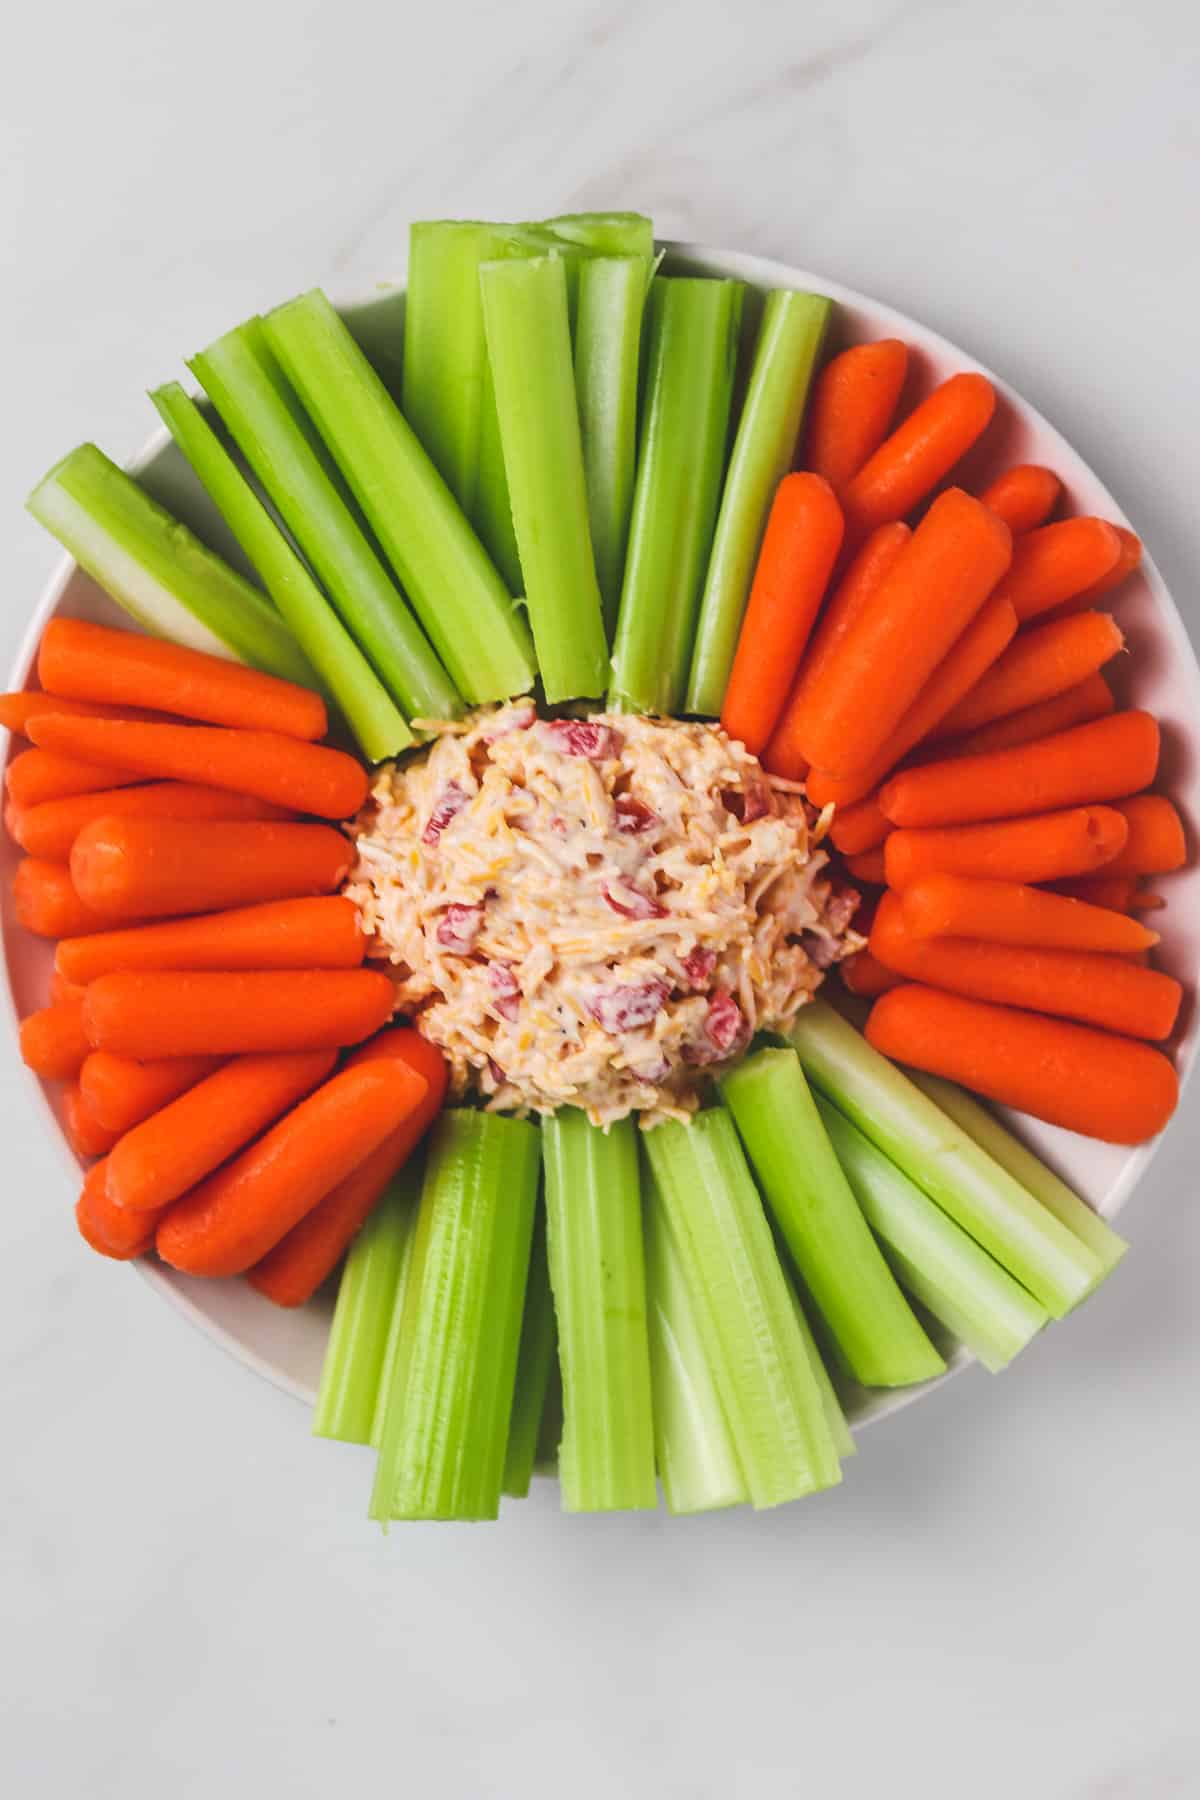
[85, 1134]
[858, 828]
[49, 830]
[232, 1219]
[868, 867]
[62, 990]
[866, 976]
[172, 1150]
[17, 709]
[79, 661]
[37, 776]
[1128, 558]
[853, 403]
[1088, 1081]
[1057, 562]
[1044, 662]
[1009, 912]
[920, 452]
[45, 901]
[107, 1228]
[799, 549]
[1088, 700]
[1043, 848]
[302, 777]
[1155, 844]
[323, 933]
[154, 868]
[1116, 892]
[53, 1041]
[148, 1013]
[1023, 496]
[13, 815]
[121, 1093]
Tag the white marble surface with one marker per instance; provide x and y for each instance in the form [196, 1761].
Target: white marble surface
[1001, 1597]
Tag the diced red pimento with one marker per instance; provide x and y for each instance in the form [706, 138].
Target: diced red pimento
[459, 928]
[496, 1072]
[451, 802]
[631, 903]
[752, 802]
[579, 737]
[633, 815]
[628, 1006]
[513, 718]
[506, 990]
[699, 967]
[724, 1024]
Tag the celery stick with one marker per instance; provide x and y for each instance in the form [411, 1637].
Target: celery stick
[1025, 1167]
[414, 1176]
[835, 1418]
[550, 1430]
[692, 353]
[529, 349]
[493, 515]
[968, 1184]
[947, 1271]
[597, 1273]
[448, 1409]
[697, 1462]
[368, 1299]
[247, 387]
[171, 583]
[604, 234]
[535, 1359]
[456, 591]
[348, 676]
[608, 335]
[840, 1262]
[789, 340]
[771, 1401]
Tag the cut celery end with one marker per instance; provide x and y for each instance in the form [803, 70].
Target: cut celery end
[368, 1299]
[835, 1418]
[962, 1286]
[608, 335]
[152, 565]
[771, 1401]
[597, 1274]
[445, 1431]
[949, 1166]
[789, 342]
[604, 234]
[535, 1358]
[1021, 1163]
[246, 385]
[841, 1264]
[529, 350]
[348, 677]
[691, 357]
[455, 589]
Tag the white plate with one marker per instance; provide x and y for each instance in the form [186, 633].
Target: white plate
[1161, 674]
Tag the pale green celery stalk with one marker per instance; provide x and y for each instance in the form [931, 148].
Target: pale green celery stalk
[841, 1265]
[691, 356]
[948, 1165]
[550, 1430]
[598, 1278]
[789, 340]
[608, 335]
[772, 1403]
[456, 590]
[341, 666]
[529, 350]
[835, 1418]
[1025, 1167]
[535, 1359]
[961, 1285]
[445, 1431]
[413, 1175]
[697, 1462]
[246, 385]
[604, 234]
[368, 1299]
[152, 565]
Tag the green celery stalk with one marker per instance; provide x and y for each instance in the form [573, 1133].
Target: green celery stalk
[835, 1418]
[961, 1285]
[789, 341]
[445, 1430]
[1025, 1167]
[535, 1358]
[529, 349]
[603, 234]
[597, 1274]
[414, 1175]
[772, 1403]
[692, 353]
[456, 590]
[840, 1263]
[340, 664]
[608, 335]
[152, 565]
[246, 385]
[550, 1431]
[949, 1166]
[368, 1299]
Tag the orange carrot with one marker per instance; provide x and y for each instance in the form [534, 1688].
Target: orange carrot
[64, 992]
[230, 1221]
[866, 976]
[1088, 1081]
[13, 816]
[91, 662]
[45, 901]
[858, 828]
[50, 829]
[924, 603]
[1088, 700]
[153, 868]
[149, 1013]
[853, 402]
[120, 1092]
[113, 1232]
[1009, 912]
[1155, 844]
[1044, 848]
[1043, 663]
[1128, 558]
[1096, 990]
[783, 755]
[53, 1042]
[17, 709]
[920, 452]
[302, 777]
[868, 867]
[324, 933]
[172, 1150]
[292, 1272]
[799, 549]
[37, 776]
[1118, 892]
[85, 1134]
[1106, 760]
[1023, 496]
[1057, 562]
